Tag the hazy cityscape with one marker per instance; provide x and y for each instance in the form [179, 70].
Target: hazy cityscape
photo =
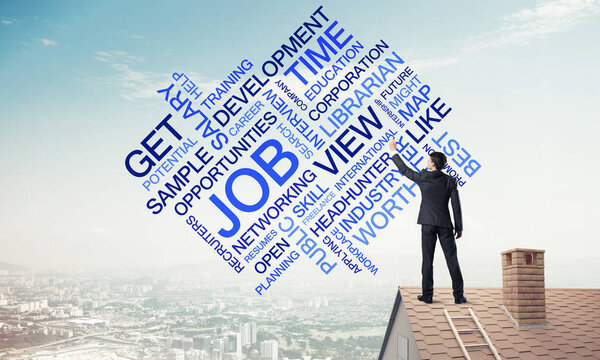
[182, 314]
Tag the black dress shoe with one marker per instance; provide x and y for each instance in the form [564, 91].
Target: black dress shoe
[425, 299]
[460, 300]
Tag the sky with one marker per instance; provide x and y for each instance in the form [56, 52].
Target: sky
[80, 81]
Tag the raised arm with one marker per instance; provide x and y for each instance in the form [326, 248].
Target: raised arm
[455, 200]
[404, 169]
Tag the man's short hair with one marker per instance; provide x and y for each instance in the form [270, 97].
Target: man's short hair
[438, 159]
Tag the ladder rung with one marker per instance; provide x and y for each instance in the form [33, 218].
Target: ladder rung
[463, 346]
[467, 330]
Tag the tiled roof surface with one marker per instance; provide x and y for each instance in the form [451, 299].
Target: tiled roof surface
[572, 331]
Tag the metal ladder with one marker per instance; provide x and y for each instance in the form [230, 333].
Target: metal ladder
[457, 332]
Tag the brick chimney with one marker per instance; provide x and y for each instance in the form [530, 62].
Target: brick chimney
[523, 286]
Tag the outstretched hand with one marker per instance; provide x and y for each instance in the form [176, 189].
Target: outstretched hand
[458, 234]
[393, 144]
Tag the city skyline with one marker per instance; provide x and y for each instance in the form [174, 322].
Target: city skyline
[181, 316]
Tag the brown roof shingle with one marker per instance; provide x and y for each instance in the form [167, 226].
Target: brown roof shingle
[572, 330]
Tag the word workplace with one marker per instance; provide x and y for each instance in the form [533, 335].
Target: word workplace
[288, 160]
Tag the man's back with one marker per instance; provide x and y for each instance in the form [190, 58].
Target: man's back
[437, 189]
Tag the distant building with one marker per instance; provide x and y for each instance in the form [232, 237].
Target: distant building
[58, 332]
[248, 333]
[234, 344]
[269, 350]
[192, 354]
[285, 303]
[245, 334]
[75, 312]
[176, 354]
[86, 322]
[181, 343]
[218, 349]
[187, 344]
[36, 305]
[216, 355]
[202, 343]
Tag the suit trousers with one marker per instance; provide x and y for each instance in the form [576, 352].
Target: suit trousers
[429, 235]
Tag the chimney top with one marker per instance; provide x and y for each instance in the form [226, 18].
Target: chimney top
[522, 250]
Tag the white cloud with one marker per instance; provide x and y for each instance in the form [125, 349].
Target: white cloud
[116, 56]
[6, 21]
[48, 42]
[135, 84]
[137, 37]
[522, 27]
[546, 18]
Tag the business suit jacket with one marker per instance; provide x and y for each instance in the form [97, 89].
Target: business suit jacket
[436, 189]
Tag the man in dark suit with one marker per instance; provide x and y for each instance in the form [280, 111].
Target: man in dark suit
[436, 189]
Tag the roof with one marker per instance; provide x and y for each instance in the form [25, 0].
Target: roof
[572, 330]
